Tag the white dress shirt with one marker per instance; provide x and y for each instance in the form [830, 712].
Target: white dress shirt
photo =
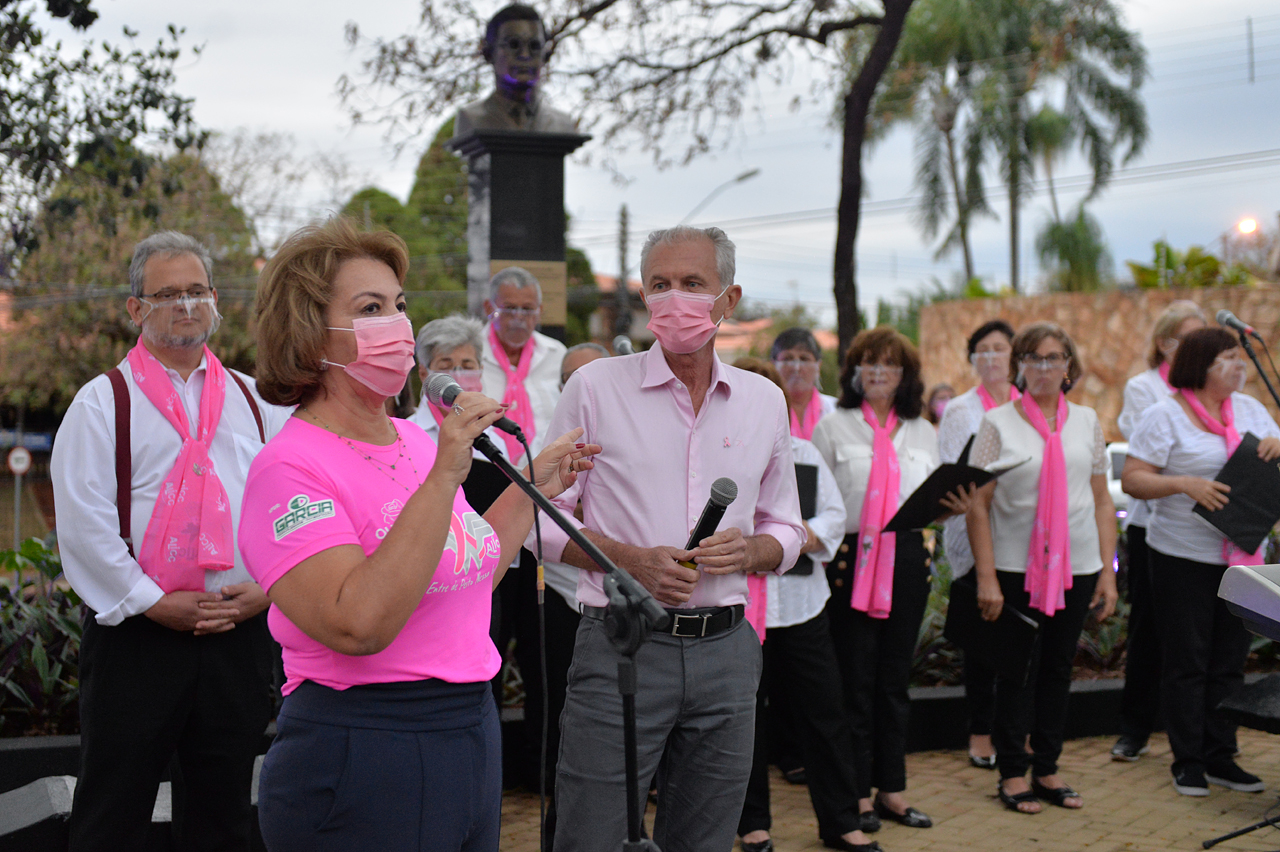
[542, 384]
[791, 599]
[83, 468]
[959, 423]
[1140, 393]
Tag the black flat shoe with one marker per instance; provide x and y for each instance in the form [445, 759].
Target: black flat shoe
[869, 822]
[765, 845]
[1056, 795]
[841, 843]
[911, 817]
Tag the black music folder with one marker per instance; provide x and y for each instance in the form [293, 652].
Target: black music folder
[1253, 506]
[924, 506]
[1004, 644]
[807, 483]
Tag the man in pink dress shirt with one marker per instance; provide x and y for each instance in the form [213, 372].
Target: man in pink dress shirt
[673, 420]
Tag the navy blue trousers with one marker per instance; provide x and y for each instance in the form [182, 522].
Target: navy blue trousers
[403, 766]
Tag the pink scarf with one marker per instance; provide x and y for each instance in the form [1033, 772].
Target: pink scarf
[988, 401]
[1163, 370]
[516, 396]
[757, 597]
[1049, 554]
[812, 414]
[190, 529]
[873, 574]
[1226, 430]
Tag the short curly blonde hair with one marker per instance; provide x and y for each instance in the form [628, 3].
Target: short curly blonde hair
[294, 290]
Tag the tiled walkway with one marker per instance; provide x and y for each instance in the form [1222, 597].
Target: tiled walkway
[1128, 807]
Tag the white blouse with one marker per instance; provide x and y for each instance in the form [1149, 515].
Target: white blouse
[1005, 438]
[844, 439]
[793, 600]
[1140, 393]
[960, 421]
[1167, 439]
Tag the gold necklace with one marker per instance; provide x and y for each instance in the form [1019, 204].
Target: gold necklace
[377, 465]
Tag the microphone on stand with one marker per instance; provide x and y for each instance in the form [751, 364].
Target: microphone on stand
[723, 492]
[1230, 320]
[442, 391]
[622, 345]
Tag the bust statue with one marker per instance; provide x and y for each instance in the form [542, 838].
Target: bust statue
[515, 45]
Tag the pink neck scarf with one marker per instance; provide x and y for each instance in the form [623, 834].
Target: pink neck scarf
[516, 396]
[190, 529]
[1049, 554]
[1163, 370]
[1227, 431]
[873, 574]
[812, 414]
[989, 402]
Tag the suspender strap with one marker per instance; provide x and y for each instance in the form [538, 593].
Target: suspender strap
[253, 406]
[124, 455]
[124, 449]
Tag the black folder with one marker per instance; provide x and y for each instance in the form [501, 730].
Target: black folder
[924, 506]
[1253, 506]
[807, 483]
[1004, 644]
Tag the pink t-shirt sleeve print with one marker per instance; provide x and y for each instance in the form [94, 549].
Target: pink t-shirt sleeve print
[309, 491]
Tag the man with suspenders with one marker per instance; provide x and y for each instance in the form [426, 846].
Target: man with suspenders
[148, 470]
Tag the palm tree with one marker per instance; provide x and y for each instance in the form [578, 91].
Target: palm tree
[1074, 252]
[1093, 63]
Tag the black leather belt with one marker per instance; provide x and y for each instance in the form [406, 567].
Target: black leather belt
[689, 623]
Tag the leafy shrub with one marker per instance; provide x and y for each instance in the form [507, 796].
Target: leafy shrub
[40, 628]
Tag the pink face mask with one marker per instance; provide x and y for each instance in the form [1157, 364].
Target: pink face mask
[384, 353]
[681, 320]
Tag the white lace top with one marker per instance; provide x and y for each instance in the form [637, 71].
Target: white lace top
[1005, 438]
[959, 423]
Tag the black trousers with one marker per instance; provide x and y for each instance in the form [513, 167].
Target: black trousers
[148, 693]
[875, 657]
[1140, 702]
[1205, 647]
[1039, 707]
[799, 663]
[979, 694]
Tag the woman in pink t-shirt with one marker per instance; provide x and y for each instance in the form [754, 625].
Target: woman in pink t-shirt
[379, 572]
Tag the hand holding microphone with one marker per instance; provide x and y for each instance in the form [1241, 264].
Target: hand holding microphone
[725, 550]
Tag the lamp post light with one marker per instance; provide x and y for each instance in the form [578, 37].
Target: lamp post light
[1245, 228]
[745, 176]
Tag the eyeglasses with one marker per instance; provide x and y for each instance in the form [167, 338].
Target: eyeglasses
[988, 358]
[795, 364]
[171, 295]
[879, 371]
[517, 313]
[1046, 363]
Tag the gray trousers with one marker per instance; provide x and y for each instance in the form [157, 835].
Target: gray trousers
[695, 727]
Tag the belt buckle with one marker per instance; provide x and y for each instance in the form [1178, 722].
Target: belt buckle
[702, 630]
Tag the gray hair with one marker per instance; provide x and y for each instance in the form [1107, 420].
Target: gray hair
[446, 335]
[594, 347]
[516, 276]
[167, 244]
[725, 263]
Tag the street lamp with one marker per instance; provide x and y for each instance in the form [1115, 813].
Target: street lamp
[745, 176]
[1245, 228]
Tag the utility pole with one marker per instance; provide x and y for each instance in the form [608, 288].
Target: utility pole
[622, 309]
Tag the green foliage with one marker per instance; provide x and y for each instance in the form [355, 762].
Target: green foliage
[59, 107]
[40, 630]
[1074, 253]
[1195, 267]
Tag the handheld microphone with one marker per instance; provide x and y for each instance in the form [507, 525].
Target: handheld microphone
[442, 391]
[1230, 320]
[723, 492]
[622, 345]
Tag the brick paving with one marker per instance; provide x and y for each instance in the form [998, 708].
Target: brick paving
[1129, 807]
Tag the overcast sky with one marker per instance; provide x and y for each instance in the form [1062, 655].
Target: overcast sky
[269, 66]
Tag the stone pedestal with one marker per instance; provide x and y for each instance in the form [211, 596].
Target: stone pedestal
[515, 214]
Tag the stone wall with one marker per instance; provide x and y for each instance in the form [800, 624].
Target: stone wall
[1111, 329]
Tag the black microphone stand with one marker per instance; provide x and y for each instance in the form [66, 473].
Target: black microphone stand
[632, 615]
[1253, 356]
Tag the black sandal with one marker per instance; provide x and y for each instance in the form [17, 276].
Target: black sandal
[1011, 801]
[1056, 795]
